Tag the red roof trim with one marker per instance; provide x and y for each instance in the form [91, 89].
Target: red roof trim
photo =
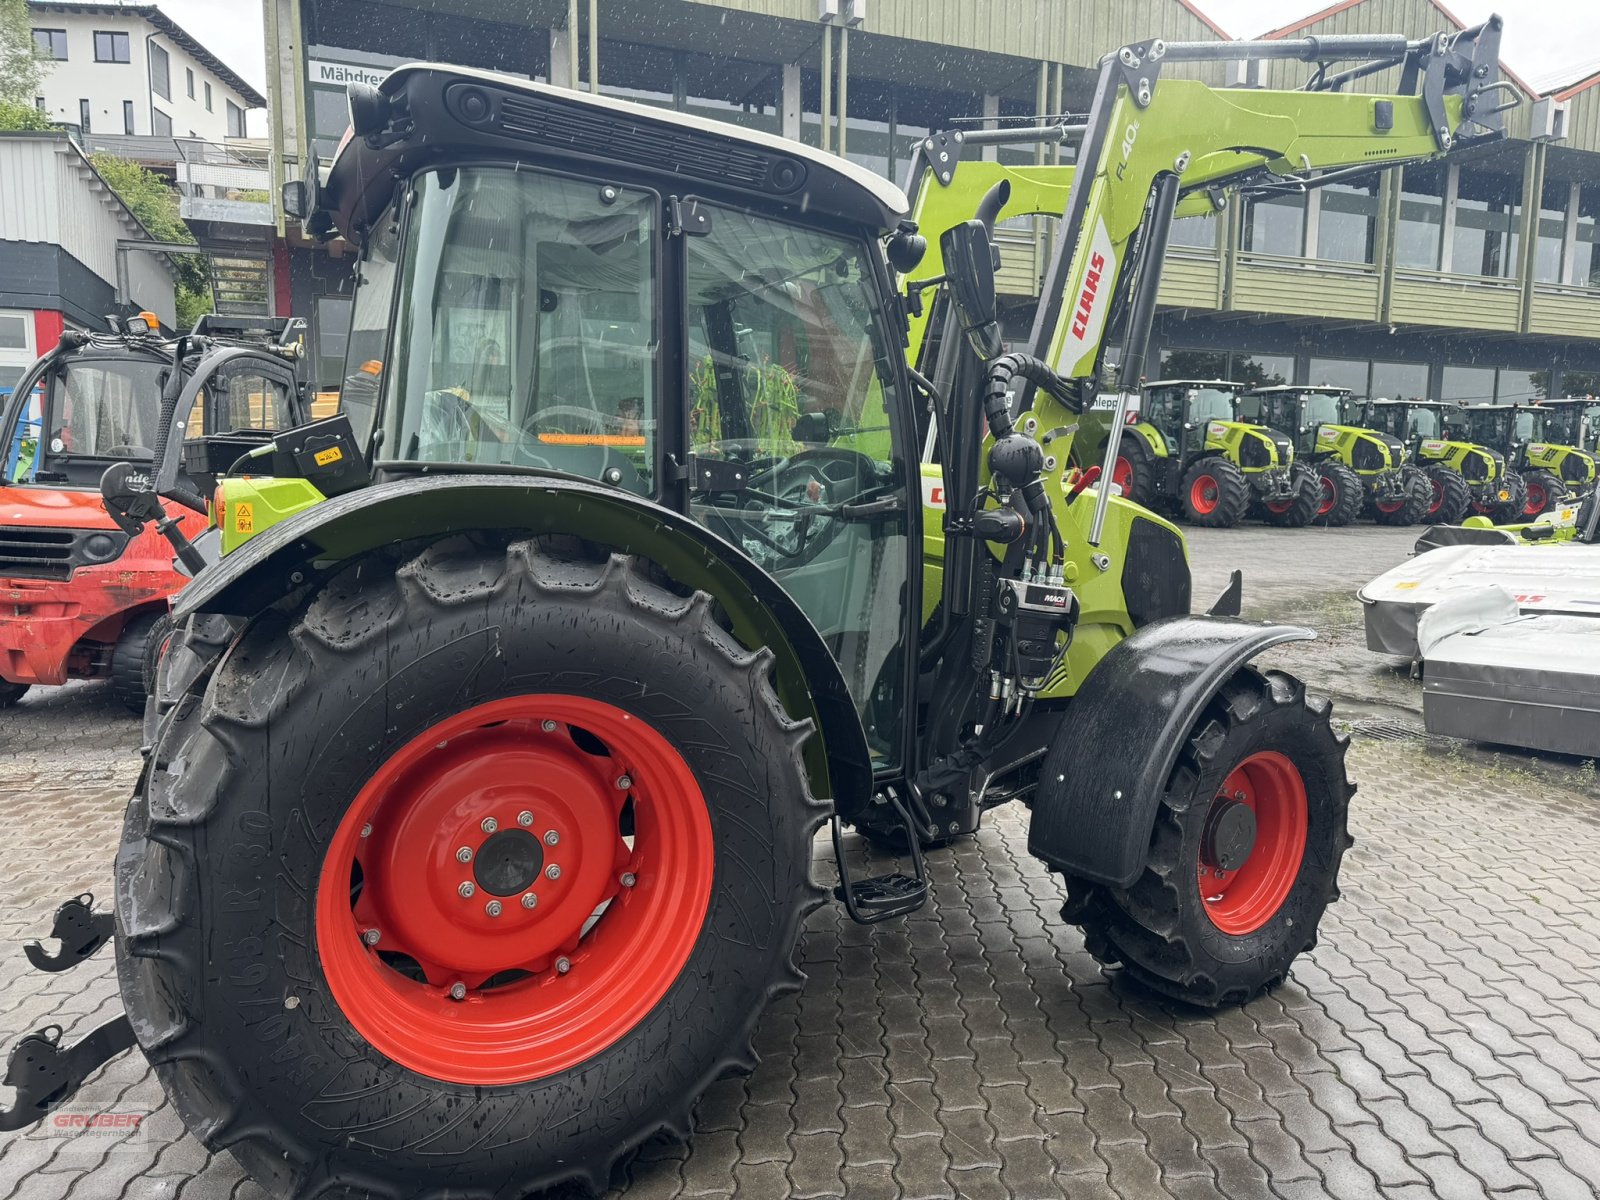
[1207, 21]
[1583, 85]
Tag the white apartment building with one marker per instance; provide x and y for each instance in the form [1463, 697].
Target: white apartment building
[130, 69]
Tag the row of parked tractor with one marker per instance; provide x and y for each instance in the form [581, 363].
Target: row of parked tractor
[1216, 453]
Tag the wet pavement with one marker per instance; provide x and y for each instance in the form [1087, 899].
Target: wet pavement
[1442, 1040]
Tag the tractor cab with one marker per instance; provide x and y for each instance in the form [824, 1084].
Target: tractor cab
[1183, 410]
[1564, 445]
[89, 595]
[1311, 417]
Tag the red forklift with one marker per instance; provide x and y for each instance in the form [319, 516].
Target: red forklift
[80, 596]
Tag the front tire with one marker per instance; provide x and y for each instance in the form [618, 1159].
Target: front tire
[1511, 510]
[133, 654]
[1301, 509]
[294, 913]
[1542, 491]
[1451, 496]
[1414, 506]
[1215, 494]
[12, 693]
[1342, 494]
[1192, 930]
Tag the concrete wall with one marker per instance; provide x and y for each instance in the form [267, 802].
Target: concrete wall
[107, 85]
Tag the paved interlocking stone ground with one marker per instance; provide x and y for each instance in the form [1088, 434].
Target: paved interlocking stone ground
[1442, 1040]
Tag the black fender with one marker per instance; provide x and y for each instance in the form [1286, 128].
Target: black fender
[312, 544]
[1119, 740]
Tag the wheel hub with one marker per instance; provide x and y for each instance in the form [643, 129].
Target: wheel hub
[508, 863]
[1230, 835]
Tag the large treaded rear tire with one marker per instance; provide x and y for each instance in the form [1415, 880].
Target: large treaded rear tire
[1136, 467]
[1215, 494]
[1451, 496]
[1342, 494]
[1159, 930]
[217, 876]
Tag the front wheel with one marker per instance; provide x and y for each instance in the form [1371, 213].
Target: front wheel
[1300, 509]
[12, 693]
[1244, 856]
[1542, 492]
[1451, 496]
[1513, 509]
[133, 656]
[1342, 494]
[1412, 505]
[465, 877]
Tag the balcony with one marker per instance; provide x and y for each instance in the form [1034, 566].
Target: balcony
[224, 185]
[1306, 287]
[1455, 301]
[1191, 277]
[1565, 311]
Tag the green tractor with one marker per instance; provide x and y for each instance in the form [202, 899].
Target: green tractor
[1186, 452]
[477, 825]
[1363, 471]
[1543, 474]
[1466, 478]
[1558, 461]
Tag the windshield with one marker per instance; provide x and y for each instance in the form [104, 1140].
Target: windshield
[1323, 408]
[1525, 426]
[526, 334]
[1210, 404]
[1422, 423]
[90, 411]
[1489, 427]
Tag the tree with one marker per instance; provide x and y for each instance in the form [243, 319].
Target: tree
[14, 116]
[20, 64]
[152, 200]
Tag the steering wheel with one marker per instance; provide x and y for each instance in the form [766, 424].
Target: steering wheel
[587, 420]
[806, 482]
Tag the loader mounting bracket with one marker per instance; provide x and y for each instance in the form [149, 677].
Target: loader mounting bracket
[44, 1075]
[81, 931]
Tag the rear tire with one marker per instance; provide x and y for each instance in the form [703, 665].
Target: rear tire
[12, 693]
[1542, 491]
[1451, 496]
[131, 657]
[1260, 737]
[1340, 501]
[1418, 499]
[1136, 469]
[240, 923]
[1302, 509]
[1215, 494]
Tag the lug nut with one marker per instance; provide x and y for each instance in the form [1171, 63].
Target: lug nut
[529, 900]
[371, 936]
[366, 830]
[548, 726]
[624, 782]
[493, 908]
[458, 991]
[524, 818]
[489, 825]
[553, 871]
[466, 890]
[464, 855]
[563, 965]
[629, 879]
[551, 837]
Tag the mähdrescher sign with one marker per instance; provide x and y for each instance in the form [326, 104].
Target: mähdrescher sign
[329, 73]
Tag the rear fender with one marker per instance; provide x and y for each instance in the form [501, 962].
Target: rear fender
[312, 545]
[1120, 739]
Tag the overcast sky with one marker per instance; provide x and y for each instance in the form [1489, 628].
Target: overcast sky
[1547, 42]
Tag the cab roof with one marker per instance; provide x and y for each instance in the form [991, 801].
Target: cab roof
[432, 113]
[1302, 387]
[1211, 383]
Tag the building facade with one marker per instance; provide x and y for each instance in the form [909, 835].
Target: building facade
[60, 225]
[131, 70]
[1446, 280]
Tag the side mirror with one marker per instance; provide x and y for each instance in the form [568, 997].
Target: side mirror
[969, 265]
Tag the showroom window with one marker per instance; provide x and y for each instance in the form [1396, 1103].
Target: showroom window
[1400, 380]
[1276, 226]
[1347, 219]
[1340, 372]
[1468, 385]
[1488, 207]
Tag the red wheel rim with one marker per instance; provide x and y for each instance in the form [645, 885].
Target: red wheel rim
[1438, 497]
[1243, 899]
[1536, 500]
[1279, 506]
[1122, 475]
[524, 784]
[1204, 495]
[1330, 497]
[1390, 506]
